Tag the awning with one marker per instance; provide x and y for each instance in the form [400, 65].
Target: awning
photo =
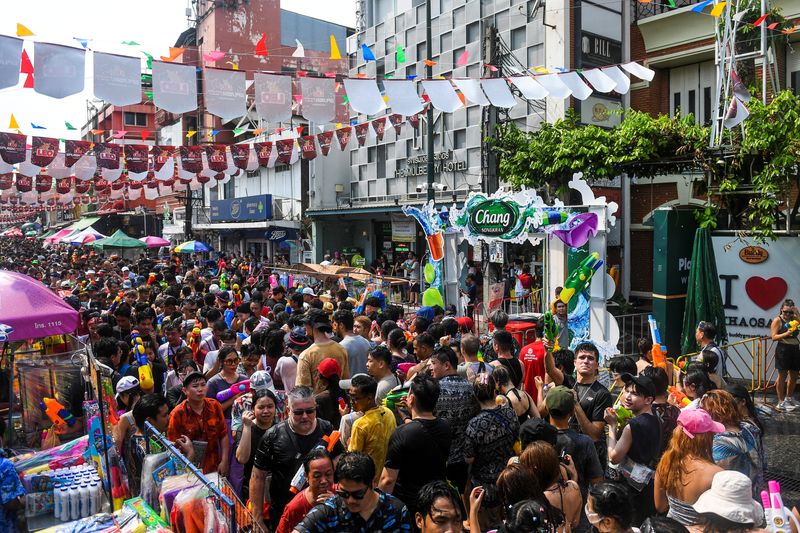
[83, 223]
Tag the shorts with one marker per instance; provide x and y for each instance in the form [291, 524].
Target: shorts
[414, 287]
[787, 357]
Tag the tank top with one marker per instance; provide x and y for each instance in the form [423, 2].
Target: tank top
[523, 417]
[514, 368]
[682, 512]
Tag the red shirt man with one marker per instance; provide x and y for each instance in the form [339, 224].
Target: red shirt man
[532, 358]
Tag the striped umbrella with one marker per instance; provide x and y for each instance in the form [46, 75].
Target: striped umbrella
[192, 246]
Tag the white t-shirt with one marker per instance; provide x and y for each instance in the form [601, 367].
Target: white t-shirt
[210, 361]
[286, 368]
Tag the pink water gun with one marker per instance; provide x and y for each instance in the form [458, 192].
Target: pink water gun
[777, 515]
[237, 388]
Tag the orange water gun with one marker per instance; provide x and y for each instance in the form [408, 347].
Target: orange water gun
[237, 295]
[659, 351]
[116, 302]
[151, 278]
[57, 413]
[680, 398]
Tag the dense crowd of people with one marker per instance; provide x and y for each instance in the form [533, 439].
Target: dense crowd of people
[406, 421]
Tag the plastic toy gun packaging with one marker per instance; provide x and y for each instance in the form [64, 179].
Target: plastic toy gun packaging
[777, 515]
[550, 329]
[299, 479]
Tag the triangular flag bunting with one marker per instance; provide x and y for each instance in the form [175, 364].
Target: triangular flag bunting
[37, 127]
[214, 133]
[258, 131]
[366, 53]
[69, 126]
[760, 19]
[191, 133]
[28, 82]
[120, 134]
[238, 131]
[299, 51]
[23, 31]
[717, 11]
[463, 58]
[541, 70]
[261, 46]
[149, 95]
[671, 4]
[787, 31]
[701, 6]
[149, 60]
[335, 54]
[214, 55]
[145, 134]
[25, 66]
[12, 123]
[83, 42]
[492, 68]
[429, 63]
[773, 25]
[174, 53]
[234, 66]
[97, 132]
[130, 43]
[400, 54]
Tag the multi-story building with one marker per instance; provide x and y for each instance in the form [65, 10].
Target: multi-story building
[513, 36]
[234, 27]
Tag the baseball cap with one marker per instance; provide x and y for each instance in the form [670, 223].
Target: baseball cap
[125, 269]
[91, 271]
[329, 367]
[261, 380]
[309, 291]
[192, 376]
[223, 296]
[560, 399]
[730, 497]
[426, 312]
[213, 288]
[344, 384]
[696, 421]
[126, 383]
[643, 383]
[535, 429]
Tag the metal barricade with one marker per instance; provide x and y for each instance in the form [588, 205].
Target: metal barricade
[631, 328]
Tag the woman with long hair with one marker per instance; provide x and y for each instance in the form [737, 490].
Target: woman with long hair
[540, 458]
[520, 401]
[396, 342]
[517, 483]
[787, 354]
[695, 383]
[737, 448]
[687, 467]
[254, 424]
[328, 400]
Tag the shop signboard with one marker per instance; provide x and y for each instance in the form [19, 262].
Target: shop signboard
[403, 228]
[275, 233]
[493, 217]
[246, 209]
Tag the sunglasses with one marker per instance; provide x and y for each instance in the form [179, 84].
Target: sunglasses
[231, 361]
[301, 412]
[356, 494]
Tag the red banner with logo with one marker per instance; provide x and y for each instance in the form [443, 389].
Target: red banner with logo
[136, 158]
[397, 121]
[285, 148]
[361, 133]
[108, 155]
[343, 134]
[308, 147]
[379, 125]
[24, 183]
[74, 150]
[324, 139]
[12, 147]
[44, 183]
[240, 153]
[161, 154]
[217, 160]
[191, 158]
[43, 150]
[263, 151]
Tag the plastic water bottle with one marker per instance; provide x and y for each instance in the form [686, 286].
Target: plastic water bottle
[64, 496]
[93, 500]
[74, 502]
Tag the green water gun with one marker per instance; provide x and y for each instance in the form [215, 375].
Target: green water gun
[394, 397]
[580, 278]
[223, 281]
[623, 414]
[550, 329]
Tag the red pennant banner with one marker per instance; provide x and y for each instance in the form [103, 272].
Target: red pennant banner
[343, 134]
[285, 148]
[6, 181]
[161, 155]
[100, 185]
[108, 155]
[240, 153]
[43, 150]
[219, 176]
[44, 183]
[63, 185]
[203, 179]
[414, 121]
[263, 151]
[136, 158]
[12, 148]
[191, 158]
[361, 133]
[24, 183]
[379, 125]
[308, 147]
[74, 150]
[120, 184]
[82, 187]
[25, 65]
[396, 121]
[324, 139]
[217, 160]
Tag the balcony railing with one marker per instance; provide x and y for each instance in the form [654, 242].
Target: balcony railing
[643, 10]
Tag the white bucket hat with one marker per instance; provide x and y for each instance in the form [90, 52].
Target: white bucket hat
[731, 497]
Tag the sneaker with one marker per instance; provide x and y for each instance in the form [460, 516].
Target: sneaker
[785, 406]
[792, 401]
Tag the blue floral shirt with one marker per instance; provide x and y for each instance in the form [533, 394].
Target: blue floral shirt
[10, 488]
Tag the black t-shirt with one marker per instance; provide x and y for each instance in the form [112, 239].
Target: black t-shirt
[281, 452]
[594, 400]
[419, 452]
[256, 433]
[584, 456]
[668, 416]
[646, 442]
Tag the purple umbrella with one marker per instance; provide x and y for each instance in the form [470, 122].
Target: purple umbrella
[154, 242]
[29, 310]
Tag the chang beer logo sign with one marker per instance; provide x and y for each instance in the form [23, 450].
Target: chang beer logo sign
[493, 218]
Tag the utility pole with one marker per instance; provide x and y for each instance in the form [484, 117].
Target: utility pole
[429, 75]
[490, 118]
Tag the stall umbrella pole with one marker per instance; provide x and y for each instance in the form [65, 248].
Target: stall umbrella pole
[10, 428]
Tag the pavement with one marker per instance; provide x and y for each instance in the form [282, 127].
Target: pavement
[782, 445]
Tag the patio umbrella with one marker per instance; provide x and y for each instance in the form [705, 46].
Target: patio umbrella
[84, 237]
[32, 310]
[56, 237]
[192, 246]
[154, 242]
[13, 232]
[704, 299]
[118, 240]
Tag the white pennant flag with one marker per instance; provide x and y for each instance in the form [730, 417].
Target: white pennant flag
[736, 114]
[300, 51]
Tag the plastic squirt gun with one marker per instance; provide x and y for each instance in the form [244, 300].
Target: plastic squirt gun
[194, 341]
[550, 329]
[681, 399]
[623, 414]
[659, 351]
[299, 479]
[394, 397]
[223, 281]
[57, 413]
[777, 515]
[580, 278]
[145, 370]
[237, 295]
[792, 326]
[115, 303]
[236, 388]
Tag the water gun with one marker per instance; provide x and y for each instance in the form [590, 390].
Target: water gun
[342, 285]
[777, 515]
[223, 281]
[299, 479]
[194, 341]
[237, 295]
[580, 278]
[57, 413]
[623, 414]
[394, 397]
[679, 397]
[236, 388]
[115, 303]
[362, 301]
[111, 403]
[151, 278]
[550, 329]
[792, 326]
[147, 515]
[145, 370]
[659, 351]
